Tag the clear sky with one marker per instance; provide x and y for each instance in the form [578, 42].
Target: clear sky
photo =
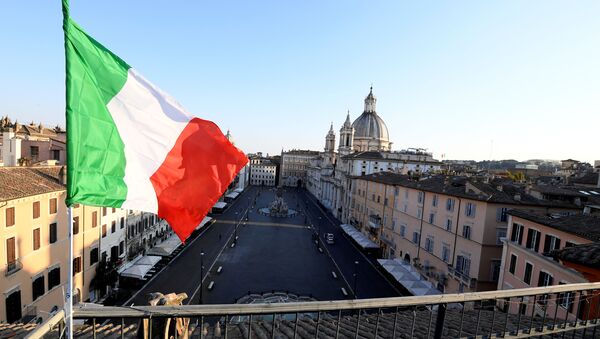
[468, 79]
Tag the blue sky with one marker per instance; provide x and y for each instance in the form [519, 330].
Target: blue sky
[468, 79]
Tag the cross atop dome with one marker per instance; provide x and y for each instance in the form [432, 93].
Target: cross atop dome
[370, 102]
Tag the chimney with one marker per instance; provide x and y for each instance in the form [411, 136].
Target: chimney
[518, 197]
[62, 175]
[577, 201]
[587, 210]
[499, 188]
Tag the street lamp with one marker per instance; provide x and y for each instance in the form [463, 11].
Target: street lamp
[355, 276]
[201, 273]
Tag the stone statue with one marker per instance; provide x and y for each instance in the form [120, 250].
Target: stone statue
[165, 327]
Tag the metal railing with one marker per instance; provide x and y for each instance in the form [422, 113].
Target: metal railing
[13, 267]
[520, 313]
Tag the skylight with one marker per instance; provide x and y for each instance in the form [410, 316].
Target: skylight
[584, 192]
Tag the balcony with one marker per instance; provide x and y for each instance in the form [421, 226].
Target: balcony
[461, 277]
[375, 221]
[13, 267]
[466, 315]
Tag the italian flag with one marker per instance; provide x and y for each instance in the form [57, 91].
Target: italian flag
[131, 145]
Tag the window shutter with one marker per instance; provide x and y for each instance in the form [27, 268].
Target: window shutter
[557, 244]
[547, 241]
[536, 246]
[10, 251]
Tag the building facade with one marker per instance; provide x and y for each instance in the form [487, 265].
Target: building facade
[31, 144]
[450, 229]
[294, 166]
[34, 246]
[529, 256]
[263, 171]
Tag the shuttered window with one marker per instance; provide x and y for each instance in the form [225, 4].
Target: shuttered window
[36, 239]
[11, 255]
[53, 206]
[75, 225]
[36, 209]
[37, 287]
[10, 216]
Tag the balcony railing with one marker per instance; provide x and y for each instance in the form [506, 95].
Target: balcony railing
[13, 267]
[494, 314]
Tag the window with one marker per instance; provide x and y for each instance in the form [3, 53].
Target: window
[527, 275]
[551, 243]
[53, 277]
[121, 247]
[470, 209]
[76, 265]
[431, 218]
[429, 244]
[56, 155]
[11, 254]
[495, 269]
[10, 216]
[450, 204]
[500, 234]
[113, 210]
[512, 267]
[445, 253]
[75, 225]
[385, 202]
[373, 197]
[516, 234]
[36, 239]
[122, 223]
[466, 233]
[403, 231]
[416, 237]
[434, 200]
[419, 212]
[420, 197]
[103, 230]
[35, 152]
[533, 239]
[93, 256]
[53, 206]
[463, 264]
[501, 215]
[114, 251]
[113, 227]
[36, 209]
[37, 287]
[103, 211]
[545, 279]
[449, 225]
[566, 300]
[53, 233]
[396, 191]
[94, 219]
[378, 198]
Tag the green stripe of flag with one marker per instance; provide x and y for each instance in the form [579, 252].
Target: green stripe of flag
[95, 151]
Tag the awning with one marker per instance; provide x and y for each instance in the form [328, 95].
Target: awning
[165, 248]
[373, 225]
[220, 205]
[148, 260]
[139, 267]
[408, 277]
[137, 271]
[205, 221]
[232, 195]
[360, 238]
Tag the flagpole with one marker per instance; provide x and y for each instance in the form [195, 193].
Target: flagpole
[68, 308]
[69, 295]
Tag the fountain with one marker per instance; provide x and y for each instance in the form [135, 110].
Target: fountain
[278, 207]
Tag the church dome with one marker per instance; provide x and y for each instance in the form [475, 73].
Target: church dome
[369, 125]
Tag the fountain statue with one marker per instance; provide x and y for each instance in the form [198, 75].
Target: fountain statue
[278, 207]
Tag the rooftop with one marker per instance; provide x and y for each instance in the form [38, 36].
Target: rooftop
[497, 191]
[587, 254]
[584, 225]
[19, 182]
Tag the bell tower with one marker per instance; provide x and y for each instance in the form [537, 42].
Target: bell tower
[346, 137]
